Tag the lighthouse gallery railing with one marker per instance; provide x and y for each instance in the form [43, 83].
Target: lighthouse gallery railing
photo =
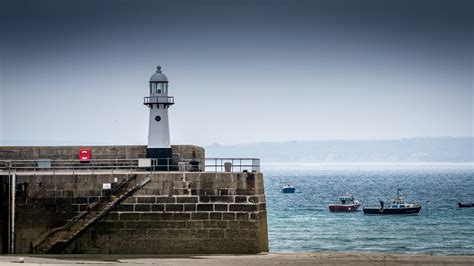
[169, 100]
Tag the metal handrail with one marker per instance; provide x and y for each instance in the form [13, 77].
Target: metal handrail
[158, 99]
[166, 164]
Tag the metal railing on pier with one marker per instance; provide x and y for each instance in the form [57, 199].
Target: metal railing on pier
[233, 165]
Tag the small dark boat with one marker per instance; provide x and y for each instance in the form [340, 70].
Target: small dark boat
[347, 203]
[398, 206]
[288, 189]
[465, 205]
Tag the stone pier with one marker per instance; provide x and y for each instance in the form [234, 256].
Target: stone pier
[172, 213]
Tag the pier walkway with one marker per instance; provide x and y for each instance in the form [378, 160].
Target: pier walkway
[353, 259]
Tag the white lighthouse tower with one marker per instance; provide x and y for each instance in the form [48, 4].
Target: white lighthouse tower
[159, 146]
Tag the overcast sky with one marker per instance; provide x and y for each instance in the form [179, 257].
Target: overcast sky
[76, 72]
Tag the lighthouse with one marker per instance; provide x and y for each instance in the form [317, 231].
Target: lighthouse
[159, 146]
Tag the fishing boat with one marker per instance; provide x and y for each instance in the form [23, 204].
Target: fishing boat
[288, 189]
[398, 206]
[465, 205]
[347, 203]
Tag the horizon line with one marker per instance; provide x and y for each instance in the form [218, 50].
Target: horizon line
[75, 143]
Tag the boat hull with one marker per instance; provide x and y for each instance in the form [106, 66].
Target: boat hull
[466, 205]
[344, 208]
[288, 190]
[376, 210]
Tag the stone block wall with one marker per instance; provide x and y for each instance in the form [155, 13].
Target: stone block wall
[180, 153]
[175, 213]
[188, 152]
[71, 152]
[98, 152]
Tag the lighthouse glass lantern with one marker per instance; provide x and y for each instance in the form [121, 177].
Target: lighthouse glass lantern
[159, 147]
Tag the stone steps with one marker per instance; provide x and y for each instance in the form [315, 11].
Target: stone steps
[57, 239]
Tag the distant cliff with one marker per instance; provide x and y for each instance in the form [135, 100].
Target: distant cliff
[401, 150]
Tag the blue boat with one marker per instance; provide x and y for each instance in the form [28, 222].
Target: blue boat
[288, 189]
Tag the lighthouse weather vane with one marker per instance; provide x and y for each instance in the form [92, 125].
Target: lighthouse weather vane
[159, 146]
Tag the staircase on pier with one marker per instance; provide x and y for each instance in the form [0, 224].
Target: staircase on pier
[57, 239]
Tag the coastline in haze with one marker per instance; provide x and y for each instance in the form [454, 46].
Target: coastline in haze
[433, 150]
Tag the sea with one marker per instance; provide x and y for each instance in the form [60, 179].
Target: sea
[301, 222]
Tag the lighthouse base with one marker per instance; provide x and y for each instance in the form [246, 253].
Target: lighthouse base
[163, 158]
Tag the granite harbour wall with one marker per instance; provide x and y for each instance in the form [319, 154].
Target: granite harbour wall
[139, 212]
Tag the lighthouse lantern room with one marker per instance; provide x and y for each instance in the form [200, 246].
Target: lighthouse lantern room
[159, 146]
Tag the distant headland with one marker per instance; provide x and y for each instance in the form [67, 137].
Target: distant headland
[442, 149]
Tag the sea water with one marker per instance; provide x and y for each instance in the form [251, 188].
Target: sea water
[301, 222]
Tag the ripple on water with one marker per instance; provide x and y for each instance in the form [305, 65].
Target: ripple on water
[301, 222]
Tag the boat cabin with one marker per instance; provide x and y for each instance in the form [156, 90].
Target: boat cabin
[399, 202]
[346, 199]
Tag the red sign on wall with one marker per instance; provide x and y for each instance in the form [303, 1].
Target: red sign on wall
[84, 154]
